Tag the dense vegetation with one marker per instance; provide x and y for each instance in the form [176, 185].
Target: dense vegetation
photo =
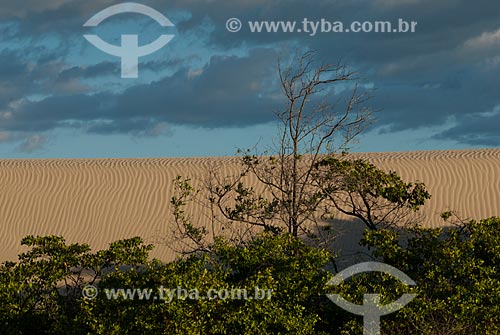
[456, 271]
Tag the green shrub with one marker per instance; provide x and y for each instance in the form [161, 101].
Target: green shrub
[456, 271]
[457, 276]
[42, 293]
[283, 264]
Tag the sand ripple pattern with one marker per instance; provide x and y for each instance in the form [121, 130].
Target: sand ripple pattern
[97, 201]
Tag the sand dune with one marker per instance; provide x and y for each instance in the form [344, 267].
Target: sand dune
[97, 201]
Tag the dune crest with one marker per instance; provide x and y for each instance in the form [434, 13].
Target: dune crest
[97, 201]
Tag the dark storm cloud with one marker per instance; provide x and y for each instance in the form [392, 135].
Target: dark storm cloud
[229, 91]
[448, 70]
[11, 66]
[35, 18]
[31, 72]
[98, 70]
[480, 130]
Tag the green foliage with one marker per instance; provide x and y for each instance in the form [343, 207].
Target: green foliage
[42, 293]
[328, 184]
[29, 297]
[39, 294]
[456, 271]
[281, 264]
[254, 209]
[184, 194]
[360, 189]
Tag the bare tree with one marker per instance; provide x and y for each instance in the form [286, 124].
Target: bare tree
[302, 179]
[319, 118]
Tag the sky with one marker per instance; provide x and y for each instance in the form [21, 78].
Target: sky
[211, 91]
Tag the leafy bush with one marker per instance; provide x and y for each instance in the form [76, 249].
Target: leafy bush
[456, 271]
[292, 270]
[457, 276]
[42, 293]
